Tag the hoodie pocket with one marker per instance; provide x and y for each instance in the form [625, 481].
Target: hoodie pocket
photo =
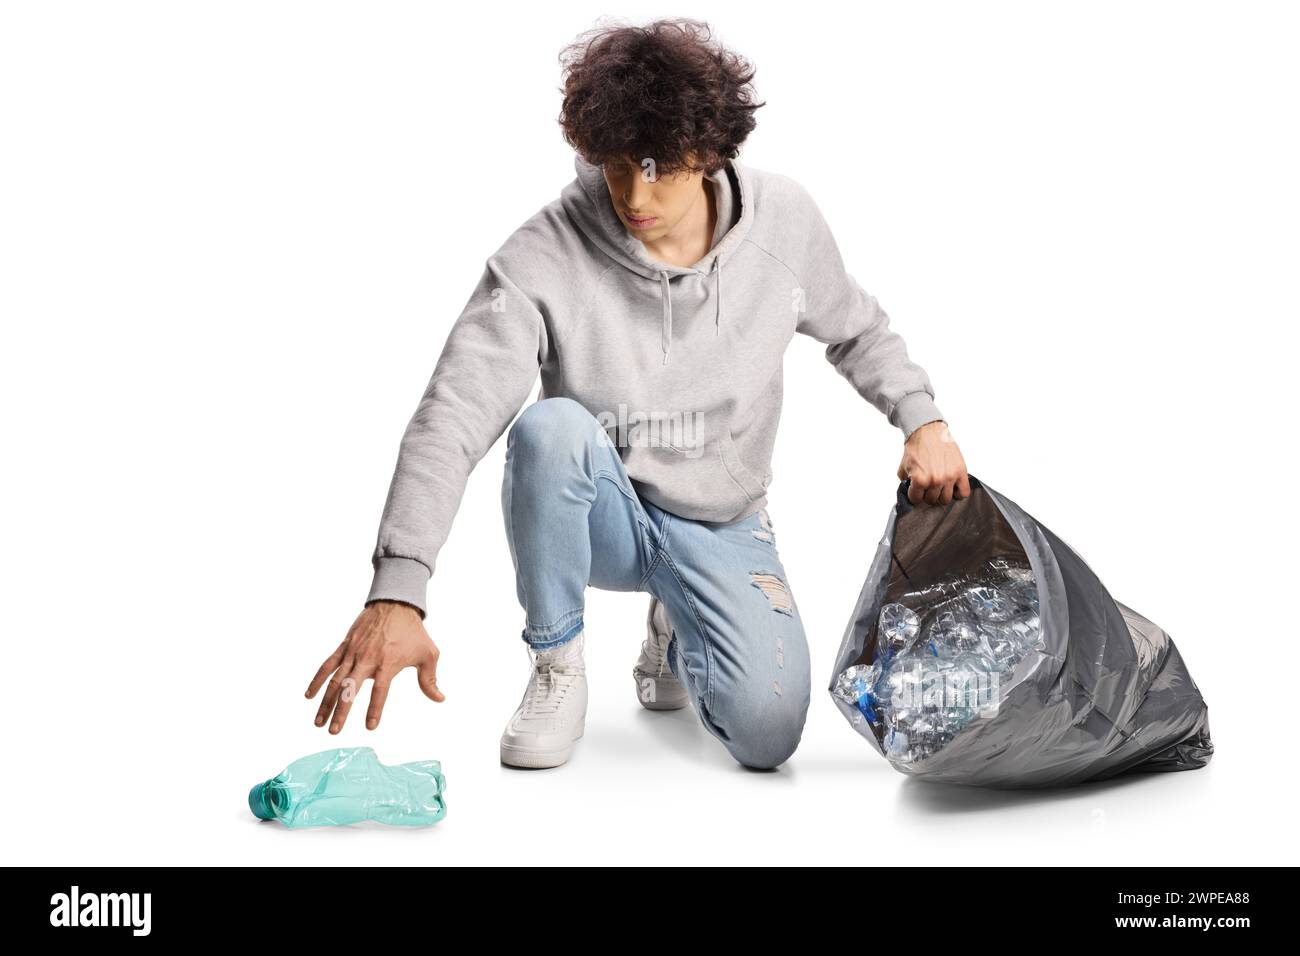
[706, 482]
[742, 476]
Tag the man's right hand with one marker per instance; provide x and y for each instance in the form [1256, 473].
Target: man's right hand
[386, 637]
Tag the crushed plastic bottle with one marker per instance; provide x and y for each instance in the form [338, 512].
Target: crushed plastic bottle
[898, 627]
[349, 785]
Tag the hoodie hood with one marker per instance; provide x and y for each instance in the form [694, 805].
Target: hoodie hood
[587, 202]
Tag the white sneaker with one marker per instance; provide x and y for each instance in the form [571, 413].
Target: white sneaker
[656, 686]
[553, 712]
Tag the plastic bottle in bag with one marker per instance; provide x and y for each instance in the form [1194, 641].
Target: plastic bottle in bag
[349, 785]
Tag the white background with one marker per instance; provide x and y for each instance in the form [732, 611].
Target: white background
[233, 237]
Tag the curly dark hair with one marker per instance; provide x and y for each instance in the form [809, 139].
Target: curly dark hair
[665, 90]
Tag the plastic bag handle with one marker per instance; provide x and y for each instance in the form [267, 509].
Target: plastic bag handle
[905, 506]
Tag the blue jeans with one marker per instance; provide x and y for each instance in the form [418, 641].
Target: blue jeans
[573, 519]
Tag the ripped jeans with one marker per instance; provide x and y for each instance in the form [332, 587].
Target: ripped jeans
[573, 519]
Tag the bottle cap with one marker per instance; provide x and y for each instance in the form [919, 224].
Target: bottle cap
[258, 803]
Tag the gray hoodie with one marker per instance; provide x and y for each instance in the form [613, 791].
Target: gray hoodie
[687, 385]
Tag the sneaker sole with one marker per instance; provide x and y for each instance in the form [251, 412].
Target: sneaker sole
[538, 759]
[670, 694]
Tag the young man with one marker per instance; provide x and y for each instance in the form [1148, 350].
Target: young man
[645, 462]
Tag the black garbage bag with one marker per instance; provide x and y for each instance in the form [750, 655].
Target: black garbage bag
[984, 651]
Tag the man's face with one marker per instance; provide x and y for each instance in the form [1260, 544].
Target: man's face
[649, 204]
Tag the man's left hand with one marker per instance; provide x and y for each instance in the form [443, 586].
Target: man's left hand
[933, 461]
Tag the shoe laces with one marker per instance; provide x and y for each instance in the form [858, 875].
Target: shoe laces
[551, 683]
[655, 646]
[657, 651]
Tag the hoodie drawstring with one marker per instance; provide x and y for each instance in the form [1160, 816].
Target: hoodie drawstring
[666, 335]
[666, 295]
[717, 315]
